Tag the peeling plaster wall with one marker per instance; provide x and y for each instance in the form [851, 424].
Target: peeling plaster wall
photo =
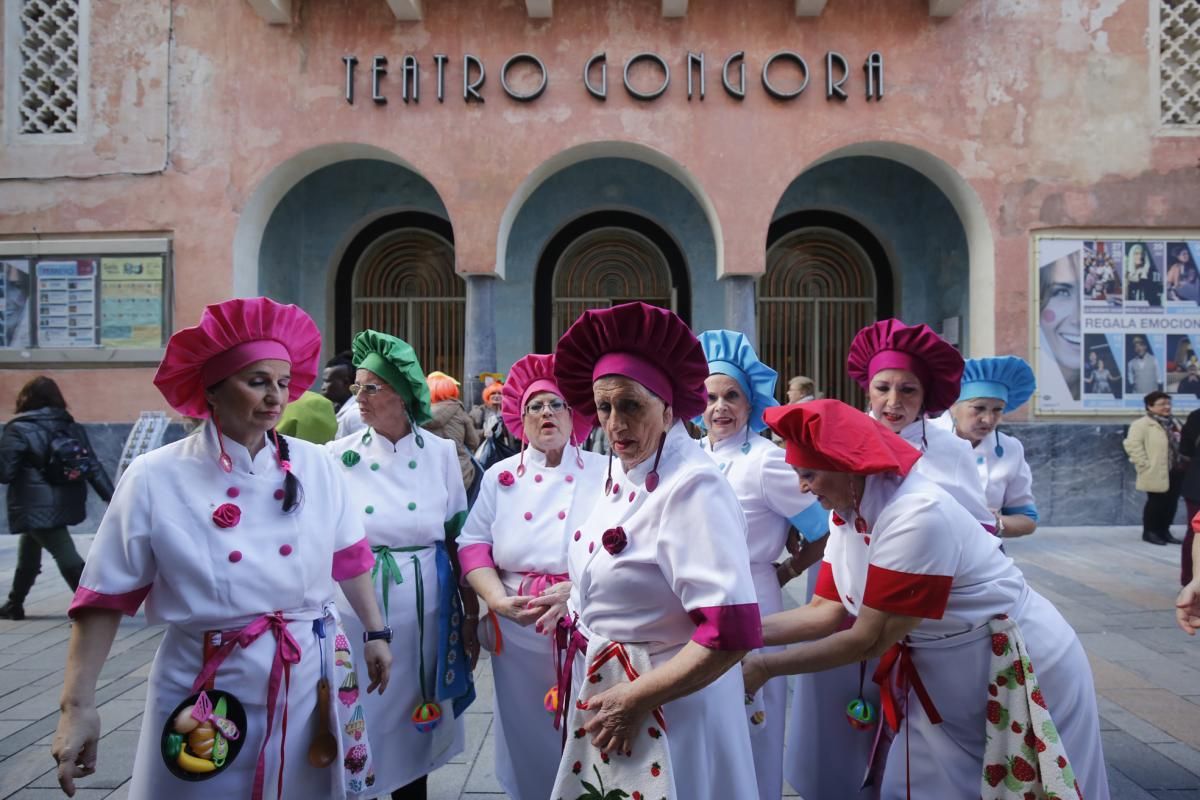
[911, 218]
[1045, 107]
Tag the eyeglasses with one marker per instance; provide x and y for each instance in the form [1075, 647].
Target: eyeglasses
[537, 406]
[369, 389]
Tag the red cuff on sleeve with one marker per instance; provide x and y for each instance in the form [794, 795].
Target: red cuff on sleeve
[826, 586]
[127, 603]
[475, 556]
[737, 627]
[907, 593]
[352, 561]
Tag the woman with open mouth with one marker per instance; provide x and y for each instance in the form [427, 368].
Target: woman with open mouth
[660, 572]
[513, 549]
[740, 388]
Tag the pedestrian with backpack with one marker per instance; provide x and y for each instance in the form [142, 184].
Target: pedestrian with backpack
[47, 462]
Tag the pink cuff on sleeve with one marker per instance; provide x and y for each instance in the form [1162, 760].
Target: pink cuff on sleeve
[352, 561]
[736, 627]
[127, 603]
[475, 556]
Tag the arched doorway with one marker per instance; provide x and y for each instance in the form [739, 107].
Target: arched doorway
[826, 278]
[397, 276]
[603, 259]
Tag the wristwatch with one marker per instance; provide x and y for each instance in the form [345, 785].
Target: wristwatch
[385, 634]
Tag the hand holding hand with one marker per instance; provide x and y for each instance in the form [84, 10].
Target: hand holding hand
[515, 608]
[553, 605]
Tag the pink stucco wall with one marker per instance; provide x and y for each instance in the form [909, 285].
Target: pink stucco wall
[1044, 107]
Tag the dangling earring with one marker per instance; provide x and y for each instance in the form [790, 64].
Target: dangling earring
[416, 431]
[578, 455]
[608, 480]
[225, 461]
[746, 444]
[999, 449]
[652, 477]
[924, 441]
[860, 524]
[521, 462]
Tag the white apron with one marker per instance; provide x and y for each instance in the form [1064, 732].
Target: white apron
[409, 501]
[529, 554]
[159, 539]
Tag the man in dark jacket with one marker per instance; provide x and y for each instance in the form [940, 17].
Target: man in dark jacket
[41, 503]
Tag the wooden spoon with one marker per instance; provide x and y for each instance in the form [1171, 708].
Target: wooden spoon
[324, 748]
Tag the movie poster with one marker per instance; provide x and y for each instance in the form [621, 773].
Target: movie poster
[1117, 318]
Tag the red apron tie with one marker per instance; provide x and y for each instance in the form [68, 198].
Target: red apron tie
[287, 652]
[898, 662]
[568, 642]
[534, 583]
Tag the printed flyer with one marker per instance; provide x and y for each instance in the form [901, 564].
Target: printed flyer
[131, 305]
[66, 303]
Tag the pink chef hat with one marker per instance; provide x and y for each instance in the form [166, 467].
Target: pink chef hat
[532, 374]
[648, 344]
[231, 336]
[890, 344]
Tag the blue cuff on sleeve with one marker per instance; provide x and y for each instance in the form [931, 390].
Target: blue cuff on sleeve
[812, 522]
[1025, 511]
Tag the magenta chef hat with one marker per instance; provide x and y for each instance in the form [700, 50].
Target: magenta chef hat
[890, 344]
[231, 336]
[645, 343]
[532, 374]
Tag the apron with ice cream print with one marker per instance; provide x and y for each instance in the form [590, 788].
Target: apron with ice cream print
[519, 526]
[409, 499]
[924, 556]
[656, 570]
[216, 559]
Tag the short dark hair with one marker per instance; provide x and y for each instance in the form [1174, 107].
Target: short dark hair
[1154, 397]
[344, 359]
[41, 392]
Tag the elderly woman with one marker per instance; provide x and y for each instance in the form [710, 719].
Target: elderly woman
[406, 490]
[1153, 447]
[660, 574]
[234, 538]
[907, 373]
[991, 388]
[740, 388]
[514, 547]
[983, 681]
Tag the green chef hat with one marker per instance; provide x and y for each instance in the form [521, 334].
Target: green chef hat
[396, 362]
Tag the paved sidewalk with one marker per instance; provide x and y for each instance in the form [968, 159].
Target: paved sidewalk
[1117, 591]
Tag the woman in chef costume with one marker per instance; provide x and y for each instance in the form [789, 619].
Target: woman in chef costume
[662, 593]
[234, 538]
[991, 388]
[983, 683]
[406, 490]
[740, 388]
[512, 549]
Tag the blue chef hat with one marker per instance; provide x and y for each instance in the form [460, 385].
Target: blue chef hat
[729, 353]
[1006, 378]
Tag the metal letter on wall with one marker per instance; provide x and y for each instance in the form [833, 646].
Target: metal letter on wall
[766, 80]
[514, 94]
[440, 59]
[350, 61]
[738, 91]
[874, 70]
[656, 58]
[377, 71]
[411, 85]
[471, 88]
[602, 92]
[834, 88]
[695, 61]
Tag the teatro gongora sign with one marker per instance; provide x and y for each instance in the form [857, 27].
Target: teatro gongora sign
[784, 75]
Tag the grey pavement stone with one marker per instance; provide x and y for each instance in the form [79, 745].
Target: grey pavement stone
[1131, 724]
[1145, 766]
[1121, 787]
[113, 763]
[56, 794]
[1183, 755]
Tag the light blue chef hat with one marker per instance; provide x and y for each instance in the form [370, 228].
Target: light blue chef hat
[729, 353]
[1006, 378]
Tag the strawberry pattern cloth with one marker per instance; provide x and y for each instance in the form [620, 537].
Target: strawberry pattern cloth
[586, 773]
[1024, 758]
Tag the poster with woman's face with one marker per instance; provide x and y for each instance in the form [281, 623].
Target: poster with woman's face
[15, 286]
[1060, 354]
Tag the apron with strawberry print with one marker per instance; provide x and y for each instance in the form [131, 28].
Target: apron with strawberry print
[1025, 757]
[586, 773]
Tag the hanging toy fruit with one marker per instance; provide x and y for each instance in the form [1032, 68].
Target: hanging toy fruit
[860, 714]
[550, 701]
[427, 716]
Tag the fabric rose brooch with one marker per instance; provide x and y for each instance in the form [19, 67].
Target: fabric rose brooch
[614, 540]
[506, 478]
[227, 515]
